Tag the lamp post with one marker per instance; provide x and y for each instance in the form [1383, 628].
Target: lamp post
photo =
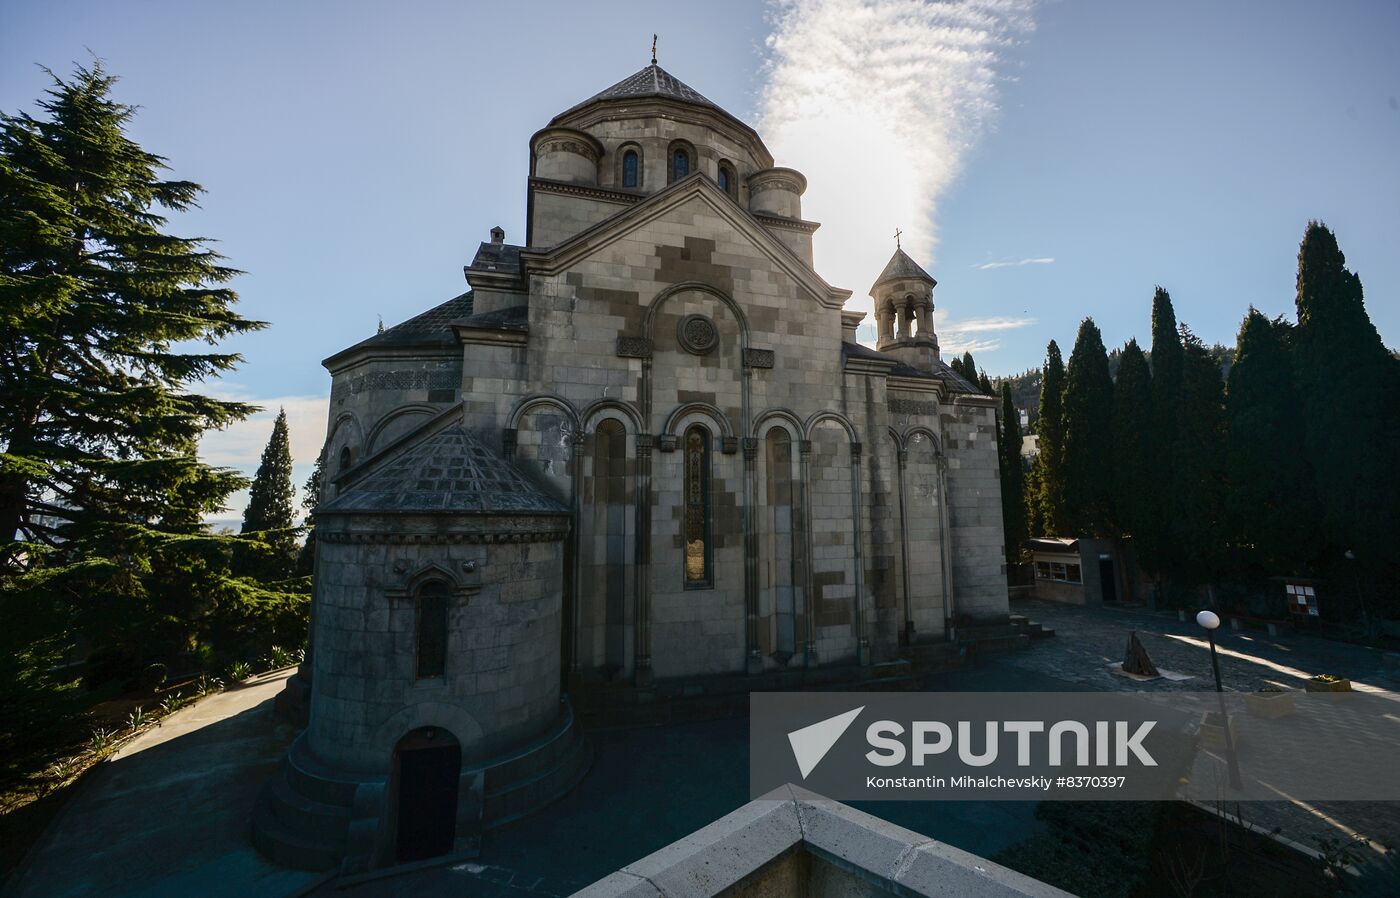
[1211, 622]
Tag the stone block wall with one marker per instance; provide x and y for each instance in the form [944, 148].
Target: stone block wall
[501, 679]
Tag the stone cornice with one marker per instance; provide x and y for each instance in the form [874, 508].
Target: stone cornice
[625, 197]
[787, 224]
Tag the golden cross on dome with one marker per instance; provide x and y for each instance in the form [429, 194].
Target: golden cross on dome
[897, 232]
[653, 49]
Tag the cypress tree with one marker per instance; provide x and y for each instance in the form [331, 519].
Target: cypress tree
[1050, 460]
[270, 496]
[1132, 441]
[1088, 440]
[1349, 389]
[985, 384]
[102, 494]
[1270, 508]
[1013, 478]
[1152, 542]
[969, 368]
[1195, 506]
[269, 513]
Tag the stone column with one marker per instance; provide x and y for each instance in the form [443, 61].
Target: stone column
[574, 617]
[901, 457]
[906, 317]
[642, 644]
[804, 451]
[862, 637]
[944, 548]
[755, 657]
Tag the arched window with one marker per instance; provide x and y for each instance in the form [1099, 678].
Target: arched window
[727, 182]
[696, 491]
[629, 169]
[432, 629]
[680, 163]
[345, 459]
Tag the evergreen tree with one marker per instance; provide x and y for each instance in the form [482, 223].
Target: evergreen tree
[101, 491]
[1132, 441]
[985, 384]
[1050, 460]
[270, 497]
[306, 558]
[1013, 478]
[1195, 506]
[1152, 541]
[1271, 513]
[1088, 428]
[969, 368]
[1349, 387]
[269, 513]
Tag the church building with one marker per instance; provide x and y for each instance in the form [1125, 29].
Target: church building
[643, 447]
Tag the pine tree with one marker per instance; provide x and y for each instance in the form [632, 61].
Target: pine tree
[1088, 427]
[1013, 478]
[1132, 441]
[1153, 544]
[1196, 503]
[1271, 513]
[101, 491]
[1349, 388]
[1050, 459]
[269, 513]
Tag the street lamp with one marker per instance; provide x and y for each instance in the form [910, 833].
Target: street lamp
[1211, 622]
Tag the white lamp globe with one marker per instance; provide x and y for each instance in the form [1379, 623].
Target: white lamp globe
[1208, 619]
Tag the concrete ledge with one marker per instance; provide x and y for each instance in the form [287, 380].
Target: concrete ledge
[791, 840]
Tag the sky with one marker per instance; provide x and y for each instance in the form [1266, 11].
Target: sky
[1045, 161]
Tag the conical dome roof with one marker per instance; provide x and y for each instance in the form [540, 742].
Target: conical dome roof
[901, 267]
[449, 471]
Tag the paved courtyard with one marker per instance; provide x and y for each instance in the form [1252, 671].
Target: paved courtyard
[169, 815]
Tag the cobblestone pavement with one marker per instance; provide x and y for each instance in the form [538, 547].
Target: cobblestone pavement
[1088, 641]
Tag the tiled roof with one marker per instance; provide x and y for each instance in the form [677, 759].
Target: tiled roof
[901, 267]
[502, 257]
[652, 81]
[449, 471]
[427, 327]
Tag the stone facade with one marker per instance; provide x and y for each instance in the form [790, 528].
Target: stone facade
[746, 488]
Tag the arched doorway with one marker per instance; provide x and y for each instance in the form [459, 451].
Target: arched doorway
[427, 763]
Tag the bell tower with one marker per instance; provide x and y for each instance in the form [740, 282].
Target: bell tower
[903, 295]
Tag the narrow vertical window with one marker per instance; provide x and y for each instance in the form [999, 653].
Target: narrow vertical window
[727, 181]
[345, 458]
[697, 508]
[680, 165]
[432, 629]
[629, 169]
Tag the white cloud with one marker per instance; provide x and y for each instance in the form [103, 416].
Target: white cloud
[878, 102]
[241, 445]
[957, 337]
[1016, 263]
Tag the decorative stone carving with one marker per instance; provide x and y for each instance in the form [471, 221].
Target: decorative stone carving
[758, 358]
[446, 379]
[633, 347]
[668, 442]
[912, 407]
[566, 145]
[729, 445]
[697, 334]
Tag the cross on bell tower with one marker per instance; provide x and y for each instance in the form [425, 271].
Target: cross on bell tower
[903, 295]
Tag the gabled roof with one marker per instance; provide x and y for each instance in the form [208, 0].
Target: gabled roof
[901, 267]
[430, 328]
[549, 260]
[447, 471]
